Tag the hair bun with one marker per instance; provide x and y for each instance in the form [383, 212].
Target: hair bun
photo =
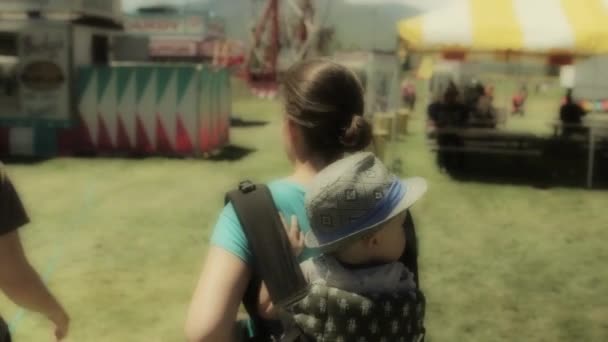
[358, 135]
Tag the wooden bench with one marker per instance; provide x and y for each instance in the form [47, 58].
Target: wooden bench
[481, 150]
[489, 141]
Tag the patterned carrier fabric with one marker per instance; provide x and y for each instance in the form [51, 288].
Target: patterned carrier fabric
[332, 315]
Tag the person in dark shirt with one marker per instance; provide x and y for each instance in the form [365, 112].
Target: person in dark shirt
[434, 109]
[571, 115]
[455, 112]
[18, 279]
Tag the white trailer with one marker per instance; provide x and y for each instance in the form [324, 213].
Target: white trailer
[590, 83]
[41, 46]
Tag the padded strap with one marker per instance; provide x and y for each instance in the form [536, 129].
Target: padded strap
[274, 262]
[410, 257]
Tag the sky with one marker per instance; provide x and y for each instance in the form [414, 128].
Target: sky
[422, 4]
[134, 4]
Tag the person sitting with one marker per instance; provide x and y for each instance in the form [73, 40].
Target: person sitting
[571, 115]
[519, 101]
[454, 112]
[408, 94]
[434, 109]
[489, 92]
[483, 113]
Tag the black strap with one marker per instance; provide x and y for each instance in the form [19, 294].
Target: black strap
[410, 257]
[273, 258]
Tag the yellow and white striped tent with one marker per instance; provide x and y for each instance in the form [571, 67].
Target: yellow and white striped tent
[573, 27]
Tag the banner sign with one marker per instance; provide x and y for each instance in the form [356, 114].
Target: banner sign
[44, 72]
[165, 25]
[111, 9]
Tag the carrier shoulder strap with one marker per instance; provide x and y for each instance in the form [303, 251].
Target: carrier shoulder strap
[274, 262]
[410, 257]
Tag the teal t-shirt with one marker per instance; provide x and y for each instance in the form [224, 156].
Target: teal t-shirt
[288, 198]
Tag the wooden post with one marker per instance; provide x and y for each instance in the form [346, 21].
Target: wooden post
[380, 138]
[591, 158]
[403, 116]
[383, 132]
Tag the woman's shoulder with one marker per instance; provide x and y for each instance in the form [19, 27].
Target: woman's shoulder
[285, 183]
[228, 232]
[285, 189]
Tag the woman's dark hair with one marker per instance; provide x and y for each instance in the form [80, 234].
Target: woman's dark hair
[326, 99]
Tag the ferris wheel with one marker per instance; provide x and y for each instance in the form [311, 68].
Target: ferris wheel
[283, 33]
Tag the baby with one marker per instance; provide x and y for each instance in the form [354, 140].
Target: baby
[356, 209]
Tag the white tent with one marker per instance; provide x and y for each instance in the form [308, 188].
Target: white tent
[573, 27]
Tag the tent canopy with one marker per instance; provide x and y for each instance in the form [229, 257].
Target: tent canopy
[576, 27]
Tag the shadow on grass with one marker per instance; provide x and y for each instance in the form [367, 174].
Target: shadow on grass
[228, 153]
[23, 160]
[232, 153]
[536, 183]
[240, 123]
[541, 174]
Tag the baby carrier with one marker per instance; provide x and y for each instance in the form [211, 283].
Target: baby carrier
[315, 313]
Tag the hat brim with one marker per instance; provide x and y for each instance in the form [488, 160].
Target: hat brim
[414, 189]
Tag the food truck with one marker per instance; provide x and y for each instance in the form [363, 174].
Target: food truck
[42, 44]
[62, 92]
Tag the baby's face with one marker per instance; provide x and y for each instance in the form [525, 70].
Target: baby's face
[391, 240]
[384, 246]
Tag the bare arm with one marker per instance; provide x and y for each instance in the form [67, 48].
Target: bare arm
[23, 285]
[265, 306]
[216, 300]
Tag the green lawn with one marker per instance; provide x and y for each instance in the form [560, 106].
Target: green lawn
[126, 239]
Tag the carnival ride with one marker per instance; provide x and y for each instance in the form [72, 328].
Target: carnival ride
[283, 33]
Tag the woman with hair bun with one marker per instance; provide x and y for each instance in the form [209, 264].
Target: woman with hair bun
[323, 120]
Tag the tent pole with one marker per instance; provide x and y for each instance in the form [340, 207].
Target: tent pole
[591, 158]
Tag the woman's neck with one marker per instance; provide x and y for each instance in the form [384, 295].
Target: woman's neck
[304, 171]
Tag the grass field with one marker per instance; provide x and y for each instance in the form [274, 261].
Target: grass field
[124, 241]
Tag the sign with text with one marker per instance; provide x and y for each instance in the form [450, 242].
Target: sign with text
[101, 8]
[36, 5]
[44, 72]
[172, 48]
[166, 25]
